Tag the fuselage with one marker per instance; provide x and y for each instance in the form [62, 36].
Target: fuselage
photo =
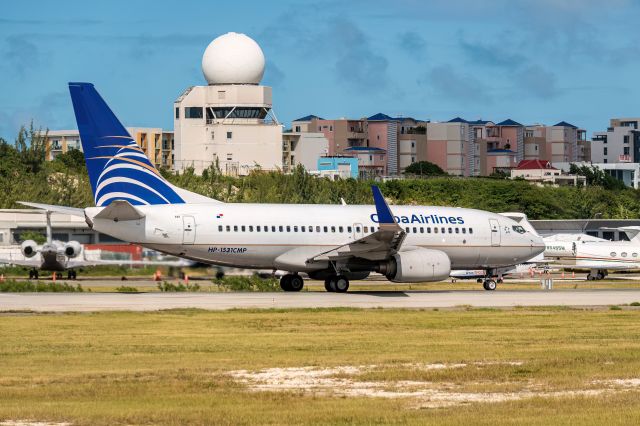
[255, 235]
[595, 254]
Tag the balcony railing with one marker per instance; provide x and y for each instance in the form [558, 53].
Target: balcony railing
[624, 158]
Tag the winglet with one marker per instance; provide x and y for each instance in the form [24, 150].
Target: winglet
[382, 208]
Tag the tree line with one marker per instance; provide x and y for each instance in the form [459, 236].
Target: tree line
[26, 176]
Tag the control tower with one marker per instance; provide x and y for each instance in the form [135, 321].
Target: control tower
[228, 123]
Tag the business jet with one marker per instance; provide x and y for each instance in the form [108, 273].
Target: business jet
[334, 243]
[58, 256]
[596, 254]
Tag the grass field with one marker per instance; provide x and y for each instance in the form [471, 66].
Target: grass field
[535, 366]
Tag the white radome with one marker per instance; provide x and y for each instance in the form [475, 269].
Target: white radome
[233, 58]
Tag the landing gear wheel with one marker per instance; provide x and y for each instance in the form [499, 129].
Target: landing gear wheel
[327, 285]
[296, 283]
[479, 280]
[58, 275]
[489, 285]
[285, 282]
[590, 277]
[71, 275]
[340, 284]
[600, 276]
[30, 274]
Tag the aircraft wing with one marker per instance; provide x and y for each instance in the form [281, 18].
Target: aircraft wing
[80, 263]
[31, 262]
[380, 245]
[56, 209]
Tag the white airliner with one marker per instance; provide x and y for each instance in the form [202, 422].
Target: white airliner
[596, 254]
[328, 242]
[58, 256]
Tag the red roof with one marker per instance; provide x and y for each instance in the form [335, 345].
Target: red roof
[534, 165]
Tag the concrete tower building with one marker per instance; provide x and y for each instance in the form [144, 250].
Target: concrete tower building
[229, 122]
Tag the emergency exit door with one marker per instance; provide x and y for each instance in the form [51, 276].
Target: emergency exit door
[188, 230]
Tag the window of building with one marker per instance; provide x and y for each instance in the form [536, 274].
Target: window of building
[331, 128]
[229, 135]
[193, 112]
[229, 156]
[298, 129]
[625, 150]
[177, 112]
[605, 150]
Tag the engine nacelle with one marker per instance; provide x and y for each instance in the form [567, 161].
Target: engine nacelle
[417, 266]
[72, 249]
[29, 248]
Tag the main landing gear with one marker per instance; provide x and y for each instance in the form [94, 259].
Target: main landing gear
[71, 274]
[291, 282]
[599, 274]
[336, 284]
[489, 283]
[33, 274]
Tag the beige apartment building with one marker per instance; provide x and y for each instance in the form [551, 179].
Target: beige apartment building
[156, 143]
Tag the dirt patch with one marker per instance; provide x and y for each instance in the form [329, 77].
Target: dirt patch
[336, 381]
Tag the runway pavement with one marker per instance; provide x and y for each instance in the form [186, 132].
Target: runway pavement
[87, 302]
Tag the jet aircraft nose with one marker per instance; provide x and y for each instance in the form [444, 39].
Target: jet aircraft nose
[537, 244]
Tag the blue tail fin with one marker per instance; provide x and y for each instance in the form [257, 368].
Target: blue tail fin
[118, 168]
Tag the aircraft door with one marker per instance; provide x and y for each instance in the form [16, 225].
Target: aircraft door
[495, 232]
[358, 231]
[188, 230]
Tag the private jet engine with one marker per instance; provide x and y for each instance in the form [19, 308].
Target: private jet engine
[72, 249]
[417, 265]
[29, 248]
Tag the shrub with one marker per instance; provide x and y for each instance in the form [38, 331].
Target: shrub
[615, 308]
[248, 283]
[170, 287]
[13, 286]
[126, 289]
[634, 304]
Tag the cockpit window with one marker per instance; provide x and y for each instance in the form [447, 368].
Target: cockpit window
[519, 229]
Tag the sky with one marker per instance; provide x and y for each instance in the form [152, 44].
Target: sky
[538, 61]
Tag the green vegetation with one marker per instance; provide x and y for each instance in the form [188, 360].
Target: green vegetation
[596, 176]
[171, 287]
[38, 237]
[173, 367]
[424, 168]
[13, 286]
[25, 176]
[247, 283]
[126, 289]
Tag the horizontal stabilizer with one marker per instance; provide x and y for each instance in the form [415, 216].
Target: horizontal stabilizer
[120, 210]
[55, 209]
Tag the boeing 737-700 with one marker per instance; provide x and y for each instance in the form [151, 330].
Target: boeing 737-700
[334, 243]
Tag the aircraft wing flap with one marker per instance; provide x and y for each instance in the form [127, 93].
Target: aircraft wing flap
[29, 262]
[56, 209]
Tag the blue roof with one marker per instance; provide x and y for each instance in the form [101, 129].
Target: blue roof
[309, 118]
[458, 120]
[364, 148]
[384, 117]
[500, 151]
[565, 124]
[509, 122]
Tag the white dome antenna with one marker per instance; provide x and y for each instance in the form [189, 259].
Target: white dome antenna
[233, 58]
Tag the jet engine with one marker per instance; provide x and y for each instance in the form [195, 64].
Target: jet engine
[72, 249]
[29, 248]
[417, 265]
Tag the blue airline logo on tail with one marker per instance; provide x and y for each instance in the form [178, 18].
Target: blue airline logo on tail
[118, 168]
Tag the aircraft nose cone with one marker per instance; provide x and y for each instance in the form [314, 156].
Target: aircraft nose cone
[537, 244]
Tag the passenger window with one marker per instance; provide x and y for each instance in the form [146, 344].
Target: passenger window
[243, 228]
[471, 230]
[415, 230]
[464, 230]
[333, 229]
[450, 230]
[228, 228]
[623, 254]
[295, 229]
[317, 229]
[273, 229]
[357, 229]
[235, 228]
[635, 255]
[220, 228]
[340, 229]
[443, 229]
[613, 254]
[421, 230]
[288, 228]
[258, 228]
[250, 228]
[366, 230]
[310, 228]
[407, 229]
[457, 230]
[349, 229]
[326, 229]
[303, 228]
[435, 230]
[281, 228]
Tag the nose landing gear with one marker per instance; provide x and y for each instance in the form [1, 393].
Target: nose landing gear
[489, 283]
